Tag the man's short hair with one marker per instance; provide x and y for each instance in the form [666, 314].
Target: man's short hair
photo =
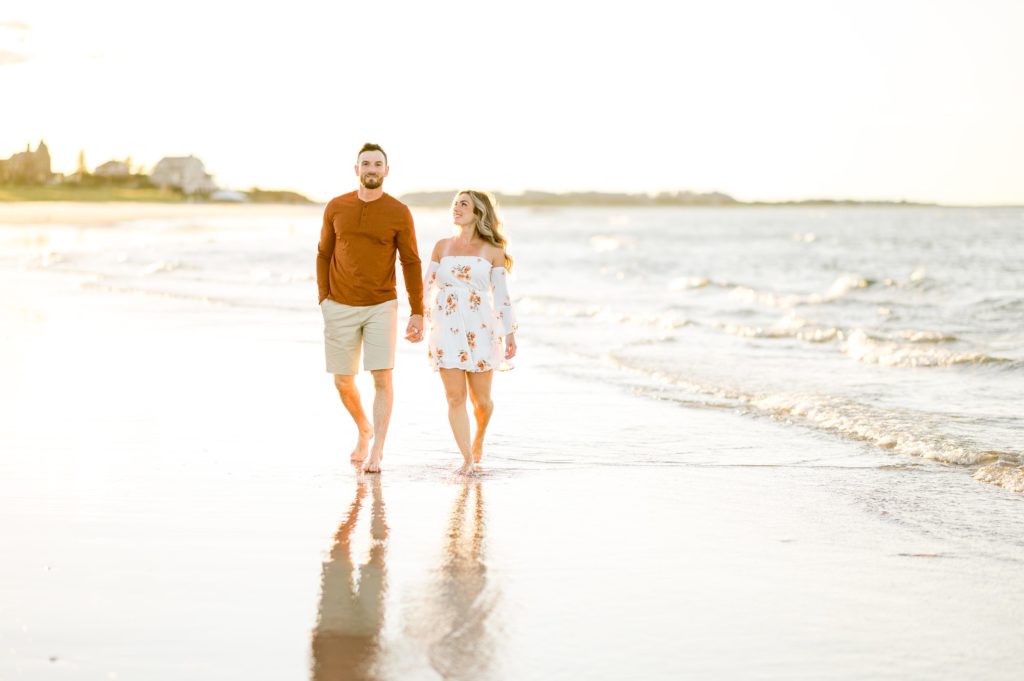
[370, 146]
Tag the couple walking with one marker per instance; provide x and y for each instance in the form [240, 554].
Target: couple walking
[463, 297]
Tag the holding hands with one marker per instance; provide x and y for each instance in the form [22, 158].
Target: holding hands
[414, 330]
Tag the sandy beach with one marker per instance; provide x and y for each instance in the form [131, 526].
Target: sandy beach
[177, 503]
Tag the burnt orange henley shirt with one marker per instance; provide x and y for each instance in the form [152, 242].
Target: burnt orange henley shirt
[355, 261]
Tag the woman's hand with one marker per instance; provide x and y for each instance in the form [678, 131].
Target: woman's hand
[510, 346]
[414, 331]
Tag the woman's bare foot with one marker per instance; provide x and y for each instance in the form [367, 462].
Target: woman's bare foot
[373, 464]
[467, 469]
[478, 449]
[362, 449]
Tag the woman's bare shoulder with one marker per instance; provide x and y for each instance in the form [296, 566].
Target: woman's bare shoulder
[440, 247]
[496, 254]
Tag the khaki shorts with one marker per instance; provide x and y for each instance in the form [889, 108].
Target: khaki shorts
[347, 328]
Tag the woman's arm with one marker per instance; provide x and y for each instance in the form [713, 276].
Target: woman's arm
[503, 307]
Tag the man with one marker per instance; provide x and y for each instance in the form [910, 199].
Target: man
[355, 274]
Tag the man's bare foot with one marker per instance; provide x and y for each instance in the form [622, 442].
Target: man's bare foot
[478, 449]
[362, 449]
[372, 464]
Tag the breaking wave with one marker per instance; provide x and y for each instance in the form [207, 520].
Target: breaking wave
[864, 348]
[905, 348]
[1003, 474]
[841, 287]
[910, 433]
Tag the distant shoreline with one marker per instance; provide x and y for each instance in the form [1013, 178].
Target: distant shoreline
[537, 199]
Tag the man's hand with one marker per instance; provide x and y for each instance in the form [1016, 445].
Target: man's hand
[414, 331]
[510, 346]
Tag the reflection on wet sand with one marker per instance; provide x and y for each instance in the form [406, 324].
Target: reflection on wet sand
[455, 620]
[346, 640]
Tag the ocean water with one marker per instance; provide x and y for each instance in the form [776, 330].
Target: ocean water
[898, 328]
[902, 328]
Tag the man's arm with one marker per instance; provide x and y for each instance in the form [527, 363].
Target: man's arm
[409, 256]
[324, 253]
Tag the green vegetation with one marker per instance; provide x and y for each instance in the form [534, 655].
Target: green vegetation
[81, 192]
[108, 191]
[257, 195]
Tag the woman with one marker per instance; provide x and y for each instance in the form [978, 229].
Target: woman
[469, 310]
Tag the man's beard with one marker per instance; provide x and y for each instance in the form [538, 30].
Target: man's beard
[371, 182]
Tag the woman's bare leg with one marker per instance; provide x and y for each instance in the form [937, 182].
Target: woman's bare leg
[455, 390]
[483, 407]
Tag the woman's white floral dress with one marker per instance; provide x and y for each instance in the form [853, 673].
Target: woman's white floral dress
[469, 311]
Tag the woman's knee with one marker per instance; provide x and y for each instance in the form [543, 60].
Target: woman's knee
[456, 399]
[484, 405]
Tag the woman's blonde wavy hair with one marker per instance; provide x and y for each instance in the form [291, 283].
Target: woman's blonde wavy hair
[486, 220]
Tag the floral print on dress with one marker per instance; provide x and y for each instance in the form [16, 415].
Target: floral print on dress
[428, 309]
[477, 314]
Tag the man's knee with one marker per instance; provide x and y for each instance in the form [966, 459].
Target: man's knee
[381, 379]
[345, 383]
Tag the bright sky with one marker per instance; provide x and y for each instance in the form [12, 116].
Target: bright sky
[791, 99]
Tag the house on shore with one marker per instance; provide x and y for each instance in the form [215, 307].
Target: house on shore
[27, 167]
[186, 173]
[113, 169]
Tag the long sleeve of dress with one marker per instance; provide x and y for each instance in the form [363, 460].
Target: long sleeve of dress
[429, 284]
[503, 309]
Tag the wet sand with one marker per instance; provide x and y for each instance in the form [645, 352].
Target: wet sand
[177, 503]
